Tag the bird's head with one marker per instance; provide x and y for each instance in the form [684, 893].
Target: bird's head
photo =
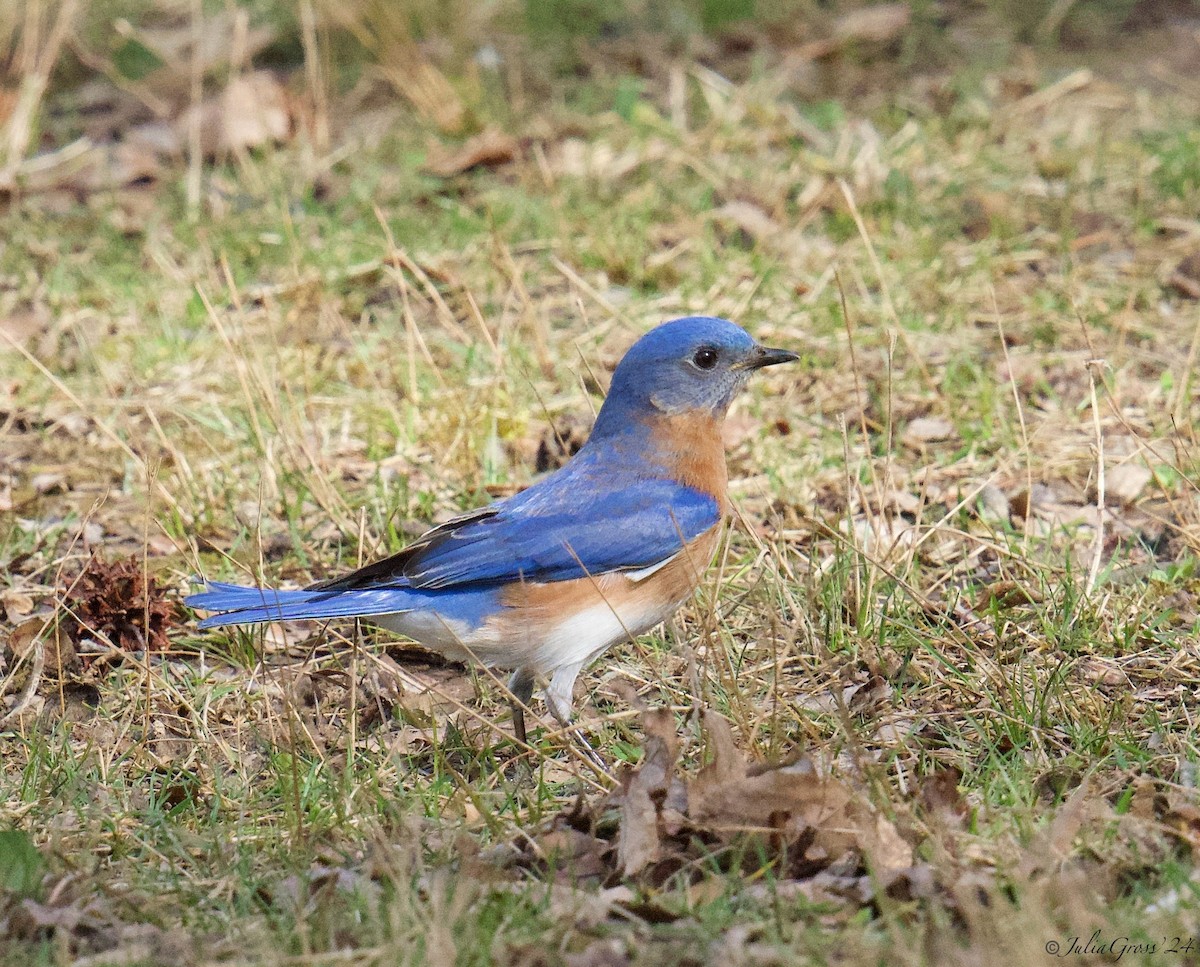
[697, 364]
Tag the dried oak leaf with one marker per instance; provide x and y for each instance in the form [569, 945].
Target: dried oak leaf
[123, 603]
[794, 799]
[252, 111]
[822, 817]
[488, 149]
[1186, 278]
[644, 792]
[941, 802]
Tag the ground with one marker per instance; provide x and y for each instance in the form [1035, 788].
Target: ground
[935, 701]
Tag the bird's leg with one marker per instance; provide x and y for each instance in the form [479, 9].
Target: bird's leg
[520, 687]
[559, 701]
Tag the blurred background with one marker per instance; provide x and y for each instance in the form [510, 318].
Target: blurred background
[165, 80]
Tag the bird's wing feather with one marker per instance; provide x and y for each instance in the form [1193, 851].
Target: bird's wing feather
[385, 571]
[550, 534]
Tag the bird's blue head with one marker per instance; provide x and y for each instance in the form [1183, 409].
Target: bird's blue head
[696, 364]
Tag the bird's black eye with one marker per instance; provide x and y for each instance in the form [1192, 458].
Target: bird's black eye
[705, 357]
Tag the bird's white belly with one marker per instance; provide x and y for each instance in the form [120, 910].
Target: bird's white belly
[575, 639]
[456, 640]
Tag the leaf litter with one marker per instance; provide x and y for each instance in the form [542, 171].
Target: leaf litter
[663, 829]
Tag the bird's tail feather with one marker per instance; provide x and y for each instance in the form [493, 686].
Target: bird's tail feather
[241, 605]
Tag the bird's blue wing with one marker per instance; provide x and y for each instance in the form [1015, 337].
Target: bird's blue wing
[551, 534]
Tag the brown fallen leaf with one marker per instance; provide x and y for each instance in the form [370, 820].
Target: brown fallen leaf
[790, 798]
[41, 640]
[22, 326]
[489, 148]
[1186, 278]
[940, 799]
[927, 429]
[17, 604]
[1182, 818]
[1125, 482]
[793, 798]
[1103, 671]
[1051, 847]
[877, 25]
[748, 218]
[1007, 594]
[794, 815]
[574, 854]
[643, 792]
[252, 111]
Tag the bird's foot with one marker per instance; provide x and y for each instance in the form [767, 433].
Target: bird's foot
[585, 748]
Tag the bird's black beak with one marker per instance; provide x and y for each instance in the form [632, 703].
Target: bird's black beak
[761, 356]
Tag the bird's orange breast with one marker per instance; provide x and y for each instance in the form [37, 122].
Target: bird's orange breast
[690, 447]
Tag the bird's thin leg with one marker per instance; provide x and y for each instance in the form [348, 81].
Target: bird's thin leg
[559, 700]
[585, 747]
[520, 687]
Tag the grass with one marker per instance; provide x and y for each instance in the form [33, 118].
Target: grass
[329, 357]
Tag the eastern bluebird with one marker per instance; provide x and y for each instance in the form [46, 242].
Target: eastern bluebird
[603, 549]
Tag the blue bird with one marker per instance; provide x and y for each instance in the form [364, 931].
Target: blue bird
[608, 546]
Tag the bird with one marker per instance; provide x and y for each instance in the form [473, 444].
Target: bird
[601, 550]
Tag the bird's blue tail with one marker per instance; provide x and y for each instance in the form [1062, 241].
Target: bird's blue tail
[241, 605]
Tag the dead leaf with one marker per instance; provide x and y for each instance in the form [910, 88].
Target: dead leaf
[747, 217]
[1126, 481]
[882, 538]
[253, 111]
[487, 149]
[878, 25]
[1007, 594]
[1186, 278]
[643, 792]
[42, 640]
[927, 429]
[1103, 671]
[1051, 847]
[1027, 501]
[22, 326]
[1182, 819]
[941, 800]
[17, 604]
[792, 798]
[574, 853]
